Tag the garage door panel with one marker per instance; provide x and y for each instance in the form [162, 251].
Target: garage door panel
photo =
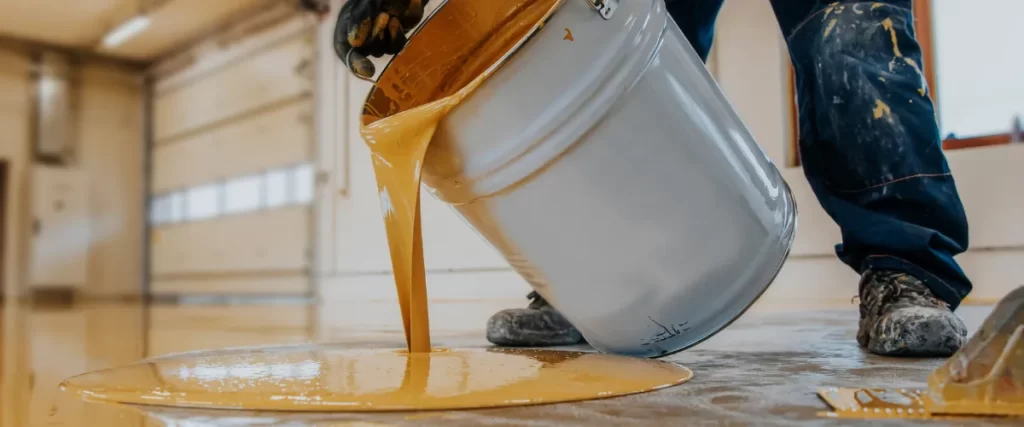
[274, 75]
[268, 140]
[231, 182]
[183, 164]
[270, 241]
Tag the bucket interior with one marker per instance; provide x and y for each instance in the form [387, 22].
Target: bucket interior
[460, 41]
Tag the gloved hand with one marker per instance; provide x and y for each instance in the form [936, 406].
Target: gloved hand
[374, 28]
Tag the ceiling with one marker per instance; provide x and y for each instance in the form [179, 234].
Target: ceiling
[81, 24]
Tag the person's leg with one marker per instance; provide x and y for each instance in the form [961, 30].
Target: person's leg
[697, 20]
[871, 150]
[540, 324]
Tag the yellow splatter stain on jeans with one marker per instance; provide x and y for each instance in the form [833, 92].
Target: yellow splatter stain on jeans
[876, 6]
[829, 9]
[917, 68]
[830, 27]
[888, 25]
[881, 109]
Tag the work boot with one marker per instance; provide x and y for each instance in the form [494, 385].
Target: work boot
[899, 316]
[539, 325]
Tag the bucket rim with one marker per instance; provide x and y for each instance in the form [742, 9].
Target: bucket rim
[516, 48]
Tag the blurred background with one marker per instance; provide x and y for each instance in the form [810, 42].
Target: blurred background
[188, 174]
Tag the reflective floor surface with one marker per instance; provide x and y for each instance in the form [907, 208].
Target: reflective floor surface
[763, 370]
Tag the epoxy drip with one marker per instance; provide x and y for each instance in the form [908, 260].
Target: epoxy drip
[451, 57]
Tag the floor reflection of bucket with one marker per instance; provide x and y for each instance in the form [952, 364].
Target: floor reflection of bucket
[611, 172]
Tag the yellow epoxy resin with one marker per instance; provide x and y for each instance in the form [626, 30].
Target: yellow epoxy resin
[335, 378]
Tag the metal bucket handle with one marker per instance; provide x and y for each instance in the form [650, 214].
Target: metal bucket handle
[605, 8]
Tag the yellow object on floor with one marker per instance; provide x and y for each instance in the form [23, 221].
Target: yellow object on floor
[874, 403]
[984, 378]
[338, 378]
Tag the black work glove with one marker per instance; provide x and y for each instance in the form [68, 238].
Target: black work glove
[374, 28]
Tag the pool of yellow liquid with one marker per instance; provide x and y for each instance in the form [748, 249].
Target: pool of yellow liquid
[335, 378]
[453, 55]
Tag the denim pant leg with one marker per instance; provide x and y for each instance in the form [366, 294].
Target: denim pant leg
[697, 20]
[870, 142]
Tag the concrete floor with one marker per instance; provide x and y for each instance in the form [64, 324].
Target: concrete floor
[763, 370]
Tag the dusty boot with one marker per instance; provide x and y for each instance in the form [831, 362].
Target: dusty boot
[899, 316]
[537, 326]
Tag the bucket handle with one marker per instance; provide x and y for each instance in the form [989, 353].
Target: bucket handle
[606, 8]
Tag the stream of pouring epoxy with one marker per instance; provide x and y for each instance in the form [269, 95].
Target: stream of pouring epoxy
[425, 84]
[442, 66]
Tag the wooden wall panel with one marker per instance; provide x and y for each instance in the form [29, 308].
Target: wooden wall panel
[274, 241]
[274, 138]
[15, 108]
[110, 141]
[271, 76]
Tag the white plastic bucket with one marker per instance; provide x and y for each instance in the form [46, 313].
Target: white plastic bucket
[613, 175]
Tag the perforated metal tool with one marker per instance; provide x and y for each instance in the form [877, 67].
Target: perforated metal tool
[984, 378]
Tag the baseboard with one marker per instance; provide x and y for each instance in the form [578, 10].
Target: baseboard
[826, 280]
[813, 280]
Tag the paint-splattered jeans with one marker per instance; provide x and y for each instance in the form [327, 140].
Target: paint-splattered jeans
[869, 141]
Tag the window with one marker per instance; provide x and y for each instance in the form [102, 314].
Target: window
[243, 194]
[176, 201]
[277, 188]
[203, 202]
[302, 179]
[292, 185]
[160, 210]
[167, 209]
[975, 53]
